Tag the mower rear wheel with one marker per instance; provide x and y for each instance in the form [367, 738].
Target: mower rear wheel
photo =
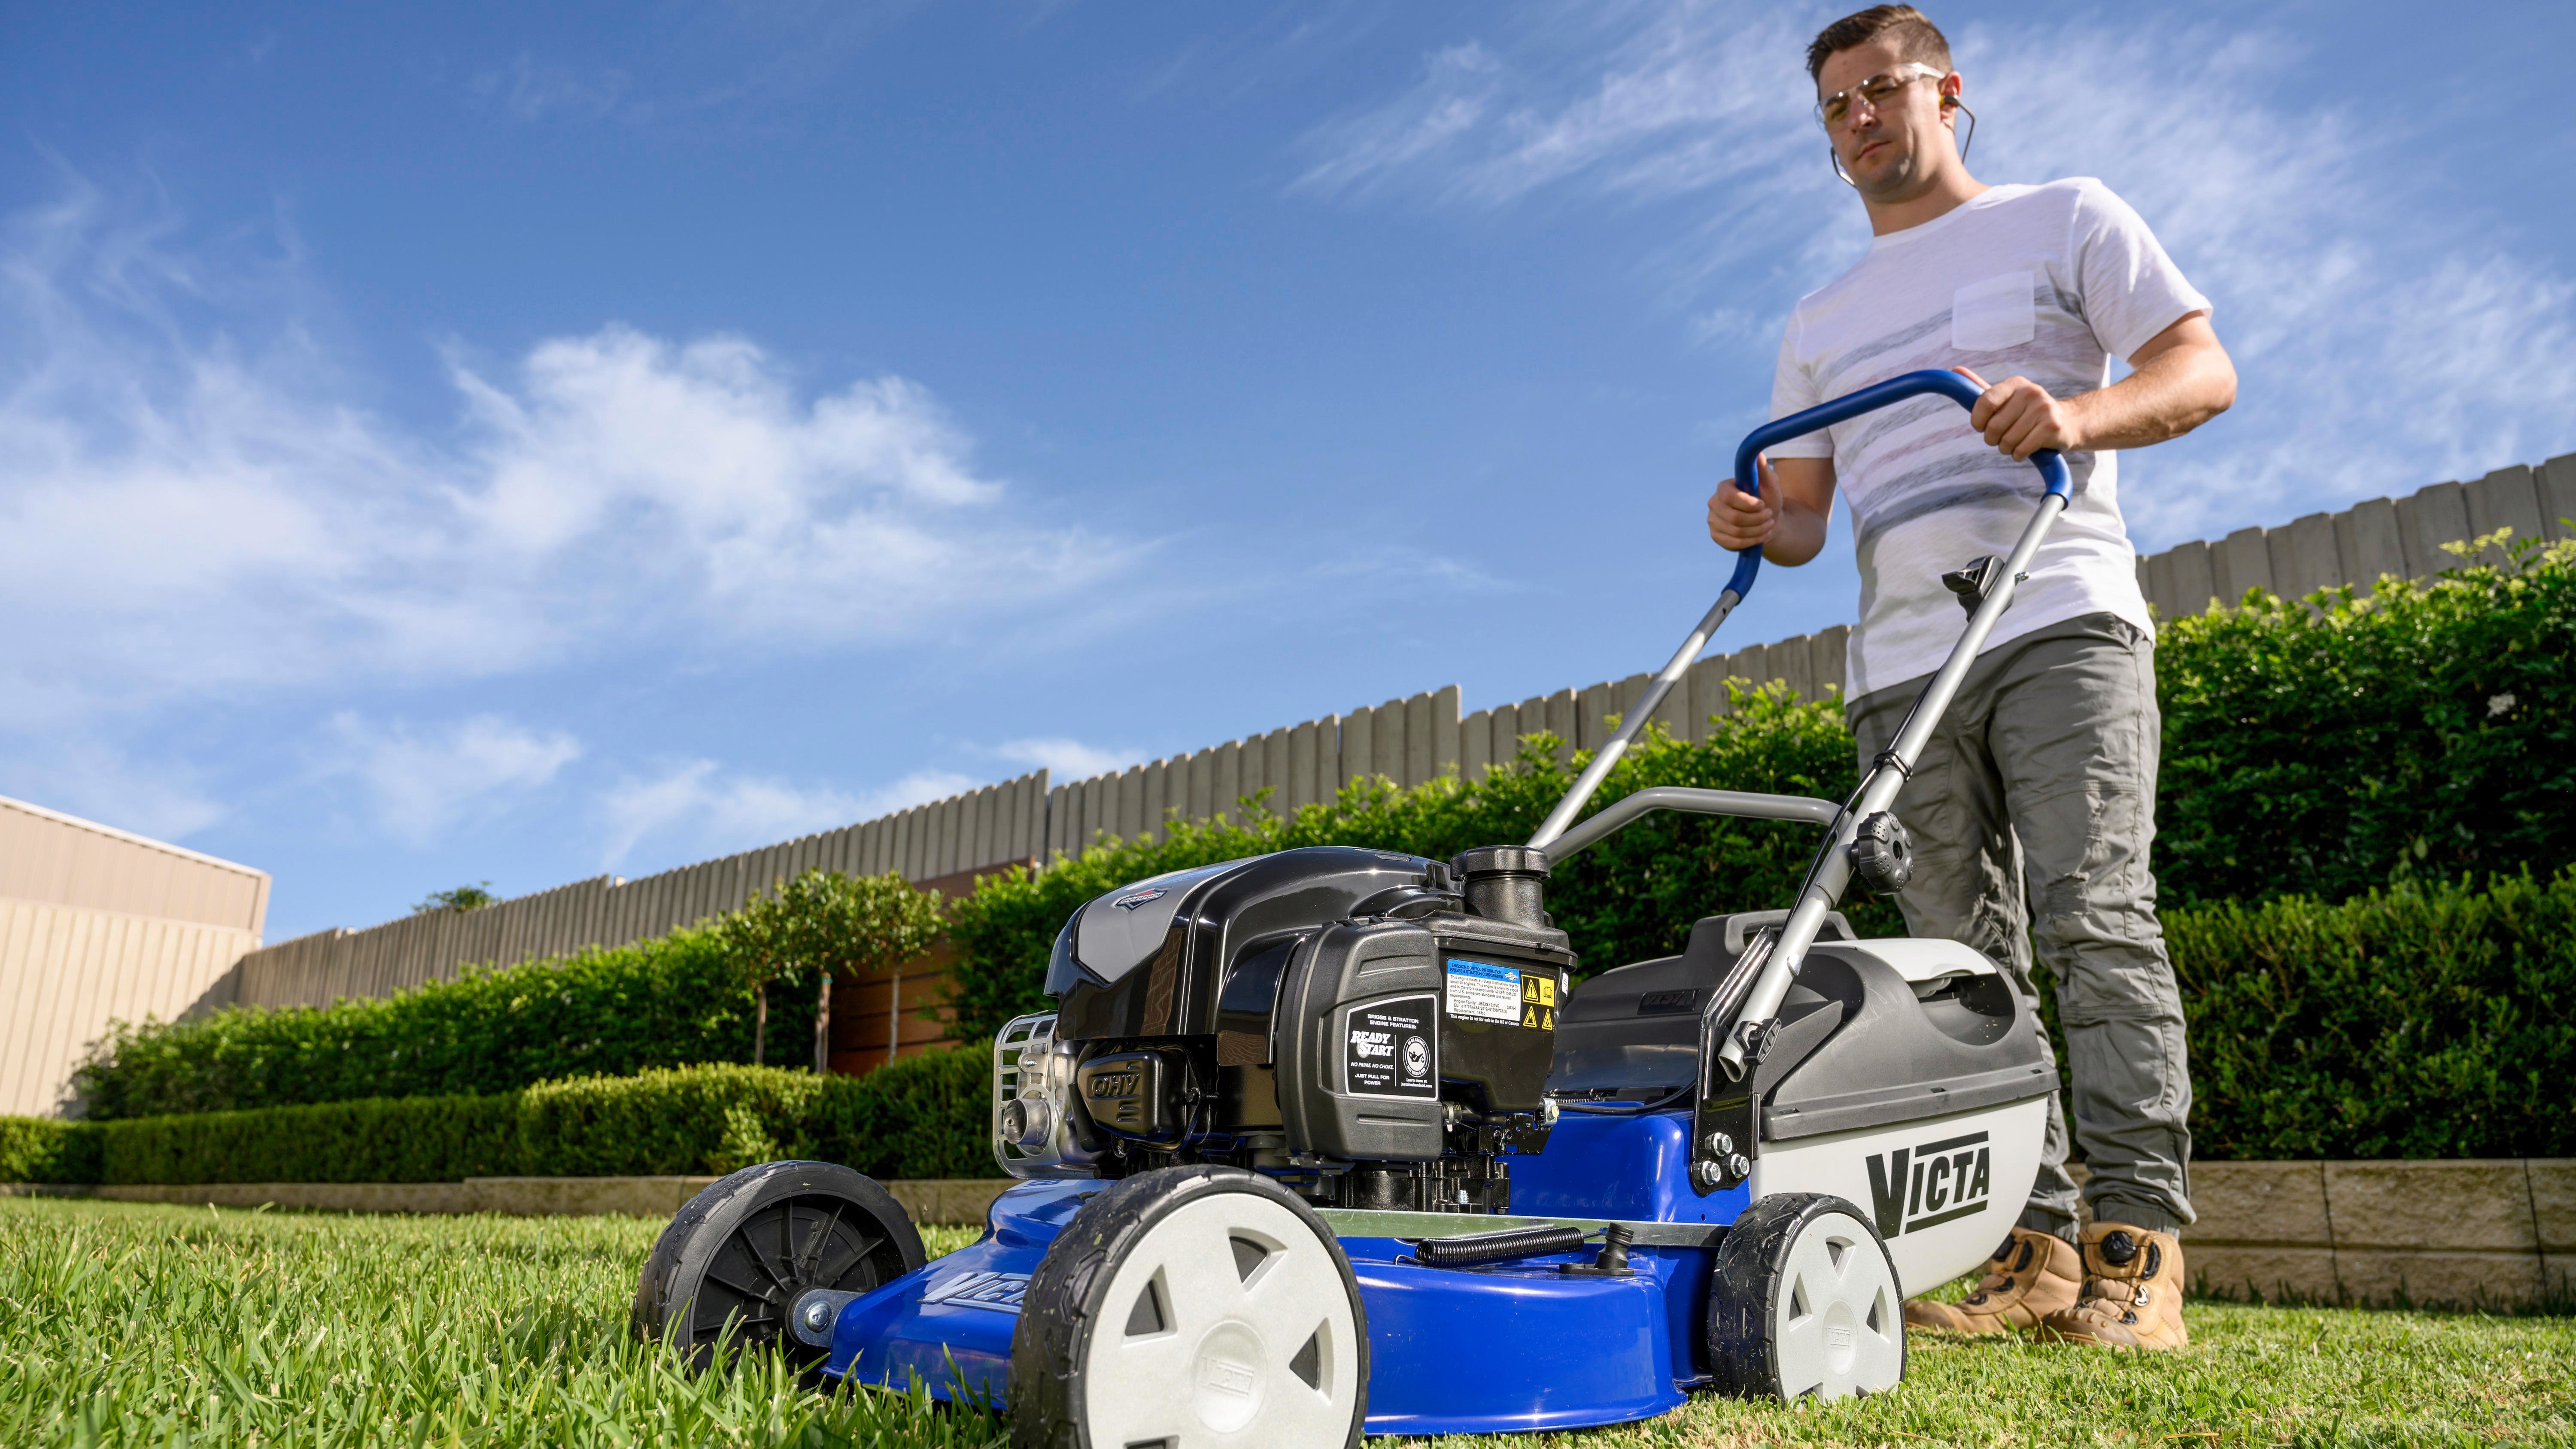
[1194, 1308]
[1804, 1300]
[735, 1259]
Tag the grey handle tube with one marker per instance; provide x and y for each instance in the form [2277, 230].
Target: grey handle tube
[1803, 809]
[1638, 713]
[1833, 872]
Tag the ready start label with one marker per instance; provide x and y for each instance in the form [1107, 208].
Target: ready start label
[1392, 1049]
[1508, 995]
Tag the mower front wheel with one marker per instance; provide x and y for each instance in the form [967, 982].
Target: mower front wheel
[737, 1257]
[1194, 1307]
[1804, 1300]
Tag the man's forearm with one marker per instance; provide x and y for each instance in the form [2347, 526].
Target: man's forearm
[2167, 396]
[1797, 537]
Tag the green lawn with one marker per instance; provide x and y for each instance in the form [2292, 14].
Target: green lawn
[125, 1324]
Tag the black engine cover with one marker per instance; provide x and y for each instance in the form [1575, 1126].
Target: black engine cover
[1377, 1017]
[1155, 959]
[1344, 997]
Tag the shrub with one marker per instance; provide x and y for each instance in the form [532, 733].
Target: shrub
[686, 1119]
[38, 1149]
[658, 1003]
[2415, 1021]
[404, 1139]
[925, 1116]
[824, 924]
[2316, 747]
[2420, 1020]
[2323, 748]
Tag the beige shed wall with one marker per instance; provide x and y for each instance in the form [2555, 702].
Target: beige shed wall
[62, 860]
[97, 925]
[66, 973]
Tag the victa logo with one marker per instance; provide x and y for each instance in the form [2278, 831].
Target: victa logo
[1000, 1292]
[1914, 1188]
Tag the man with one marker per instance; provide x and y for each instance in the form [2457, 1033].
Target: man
[2033, 805]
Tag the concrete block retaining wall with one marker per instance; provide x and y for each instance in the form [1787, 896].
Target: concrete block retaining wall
[2470, 1233]
[2474, 1233]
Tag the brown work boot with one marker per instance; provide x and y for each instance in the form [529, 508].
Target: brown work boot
[2030, 1276]
[2132, 1292]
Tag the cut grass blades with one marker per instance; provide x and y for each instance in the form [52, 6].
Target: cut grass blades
[126, 1324]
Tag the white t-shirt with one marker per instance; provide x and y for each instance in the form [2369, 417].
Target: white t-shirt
[2047, 282]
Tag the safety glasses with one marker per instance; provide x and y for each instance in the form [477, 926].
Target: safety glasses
[1875, 92]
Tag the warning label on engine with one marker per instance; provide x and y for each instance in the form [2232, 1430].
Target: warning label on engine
[1483, 991]
[1392, 1049]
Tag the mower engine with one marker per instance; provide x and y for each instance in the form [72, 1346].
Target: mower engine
[1374, 1030]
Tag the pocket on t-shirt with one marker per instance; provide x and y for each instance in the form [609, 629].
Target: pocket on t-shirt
[1996, 313]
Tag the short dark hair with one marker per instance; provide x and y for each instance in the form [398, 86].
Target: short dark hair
[1917, 38]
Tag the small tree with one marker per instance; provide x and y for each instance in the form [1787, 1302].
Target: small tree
[463, 898]
[826, 923]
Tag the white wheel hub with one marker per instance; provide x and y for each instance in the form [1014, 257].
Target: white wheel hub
[1226, 1323]
[1837, 1324]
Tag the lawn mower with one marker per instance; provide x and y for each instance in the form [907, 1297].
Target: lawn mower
[1328, 1142]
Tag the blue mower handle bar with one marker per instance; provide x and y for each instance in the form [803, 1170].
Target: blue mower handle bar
[1951, 385]
[2052, 468]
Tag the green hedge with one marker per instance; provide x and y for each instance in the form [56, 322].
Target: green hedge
[2325, 749]
[2322, 747]
[2420, 1021]
[925, 1116]
[40, 1149]
[2316, 747]
[664, 1002]
[381, 1139]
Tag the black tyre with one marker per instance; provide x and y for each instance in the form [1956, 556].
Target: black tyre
[1195, 1308]
[1804, 1300]
[739, 1254]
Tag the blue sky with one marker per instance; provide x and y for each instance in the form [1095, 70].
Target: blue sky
[527, 442]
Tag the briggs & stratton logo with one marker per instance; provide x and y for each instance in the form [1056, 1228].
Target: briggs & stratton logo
[1914, 1188]
[1138, 900]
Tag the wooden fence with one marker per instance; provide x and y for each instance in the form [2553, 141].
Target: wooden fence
[1408, 741]
[2401, 536]
[941, 840]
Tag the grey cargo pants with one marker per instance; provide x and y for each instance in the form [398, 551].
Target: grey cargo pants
[2032, 810]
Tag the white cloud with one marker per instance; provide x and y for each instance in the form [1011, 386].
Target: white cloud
[2387, 338]
[191, 512]
[98, 782]
[1067, 760]
[424, 782]
[697, 808]
[531, 91]
[420, 783]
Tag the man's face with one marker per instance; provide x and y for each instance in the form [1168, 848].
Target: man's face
[1890, 148]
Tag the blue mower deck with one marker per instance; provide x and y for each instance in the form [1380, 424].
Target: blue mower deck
[1453, 1350]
